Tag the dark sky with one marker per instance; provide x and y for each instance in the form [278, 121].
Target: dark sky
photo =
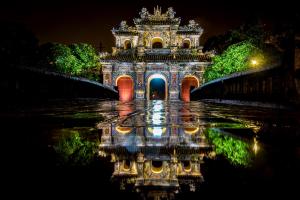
[91, 21]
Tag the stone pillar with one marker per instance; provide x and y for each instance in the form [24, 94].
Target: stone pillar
[140, 167]
[140, 81]
[107, 75]
[199, 74]
[140, 45]
[174, 90]
[173, 167]
[106, 138]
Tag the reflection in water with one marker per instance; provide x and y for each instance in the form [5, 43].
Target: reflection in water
[74, 149]
[163, 149]
[158, 147]
[237, 151]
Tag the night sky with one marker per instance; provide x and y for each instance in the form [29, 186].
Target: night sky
[91, 21]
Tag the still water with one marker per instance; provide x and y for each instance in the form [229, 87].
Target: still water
[151, 149]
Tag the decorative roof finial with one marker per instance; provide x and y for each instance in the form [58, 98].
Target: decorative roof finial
[157, 11]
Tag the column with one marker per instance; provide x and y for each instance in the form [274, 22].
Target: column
[140, 81]
[107, 75]
[140, 45]
[174, 91]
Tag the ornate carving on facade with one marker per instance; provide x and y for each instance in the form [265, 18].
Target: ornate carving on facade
[157, 15]
[144, 13]
[192, 26]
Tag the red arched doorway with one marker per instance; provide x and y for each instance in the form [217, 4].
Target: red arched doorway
[188, 84]
[125, 88]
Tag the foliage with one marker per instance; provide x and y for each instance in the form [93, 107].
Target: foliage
[65, 61]
[235, 59]
[236, 151]
[75, 59]
[74, 150]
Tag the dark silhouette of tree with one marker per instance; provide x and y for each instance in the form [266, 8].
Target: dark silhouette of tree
[18, 45]
[252, 30]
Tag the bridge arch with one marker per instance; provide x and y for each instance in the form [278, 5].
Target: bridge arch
[188, 83]
[125, 86]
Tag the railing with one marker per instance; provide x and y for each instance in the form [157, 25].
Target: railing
[158, 51]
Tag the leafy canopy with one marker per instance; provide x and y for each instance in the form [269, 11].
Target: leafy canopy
[75, 59]
[238, 57]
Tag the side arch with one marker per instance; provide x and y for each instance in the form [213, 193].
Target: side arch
[125, 86]
[188, 83]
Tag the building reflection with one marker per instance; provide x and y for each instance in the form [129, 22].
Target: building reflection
[157, 153]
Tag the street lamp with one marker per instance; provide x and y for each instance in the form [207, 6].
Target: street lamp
[254, 62]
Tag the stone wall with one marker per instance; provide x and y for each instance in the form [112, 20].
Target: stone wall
[273, 84]
[30, 83]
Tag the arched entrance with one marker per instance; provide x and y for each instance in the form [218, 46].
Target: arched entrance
[127, 44]
[157, 43]
[187, 85]
[125, 88]
[157, 87]
[186, 44]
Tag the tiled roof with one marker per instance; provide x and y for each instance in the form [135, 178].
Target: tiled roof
[157, 22]
[119, 32]
[158, 58]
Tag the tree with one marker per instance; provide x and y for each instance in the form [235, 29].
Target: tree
[250, 31]
[18, 45]
[236, 58]
[85, 54]
[65, 61]
[75, 59]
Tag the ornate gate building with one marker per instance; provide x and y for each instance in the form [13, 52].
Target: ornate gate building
[157, 58]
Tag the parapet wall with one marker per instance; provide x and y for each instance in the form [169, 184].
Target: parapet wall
[30, 83]
[272, 84]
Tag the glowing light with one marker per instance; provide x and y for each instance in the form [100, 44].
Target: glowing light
[156, 118]
[191, 130]
[140, 92]
[157, 107]
[123, 130]
[157, 131]
[255, 146]
[159, 76]
[187, 84]
[254, 62]
[157, 169]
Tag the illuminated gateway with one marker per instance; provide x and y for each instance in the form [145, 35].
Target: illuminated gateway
[157, 58]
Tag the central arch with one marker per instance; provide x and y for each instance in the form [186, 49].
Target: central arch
[188, 83]
[157, 87]
[125, 88]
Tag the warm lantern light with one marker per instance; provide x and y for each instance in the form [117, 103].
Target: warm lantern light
[123, 130]
[254, 62]
[191, 131]
[255, 146]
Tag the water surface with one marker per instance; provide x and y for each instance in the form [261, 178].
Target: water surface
[151, 149]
